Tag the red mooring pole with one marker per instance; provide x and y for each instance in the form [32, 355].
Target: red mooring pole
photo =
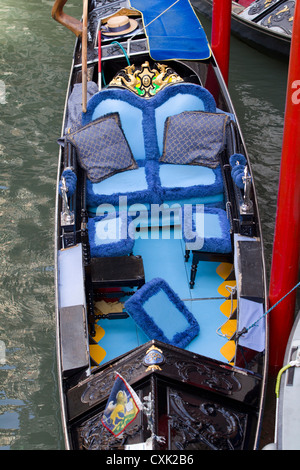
[220, 34]
[286, 247]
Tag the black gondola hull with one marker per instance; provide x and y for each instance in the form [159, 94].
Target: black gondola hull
[259, 37]
[195, 401]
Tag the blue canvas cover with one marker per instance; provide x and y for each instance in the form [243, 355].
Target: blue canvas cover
[176, 34]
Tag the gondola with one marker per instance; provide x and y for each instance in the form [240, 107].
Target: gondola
[162, 340]
[265, 25]
[286, 435]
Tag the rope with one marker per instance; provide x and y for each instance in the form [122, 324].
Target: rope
[232, 291]
[158, 16]
[245, 330]
[282, 370]
[277, 389]
[70, 181]
[124, 52]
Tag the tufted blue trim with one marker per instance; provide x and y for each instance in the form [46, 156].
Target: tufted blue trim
[148, 106]
[221, 242]
[154, 102]
[155, 193]
[135, 306]
[152, 176]
[121, 246]
[71, 181]
[110, 93]
[189, 89]
[237, 175]
[238, 162]
[237, 158]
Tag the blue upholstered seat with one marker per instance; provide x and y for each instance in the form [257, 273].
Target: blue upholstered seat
[143, 122]
[186, 181]
[110, 235]
[207, 234]
[208, 230]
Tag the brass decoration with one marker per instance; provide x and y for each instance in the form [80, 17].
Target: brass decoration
[153, 357]
[144, 81]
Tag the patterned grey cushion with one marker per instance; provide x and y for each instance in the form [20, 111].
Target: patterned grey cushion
[195, 138]
[102, 148]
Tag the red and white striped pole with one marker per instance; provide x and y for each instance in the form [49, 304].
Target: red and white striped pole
[220, 34]
[99, 59]
[286, 247]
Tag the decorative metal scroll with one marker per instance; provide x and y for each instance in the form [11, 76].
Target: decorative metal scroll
[260, 5]
[282, 17]
[144, 81]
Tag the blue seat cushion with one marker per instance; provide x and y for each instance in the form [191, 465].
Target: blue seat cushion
[155, 183]
[194, 137]
[139, 185]
[102, 149]
[130, 112]
[110, 235]
[186, 181]
[206, 229]
[161, 314]
[143, 119]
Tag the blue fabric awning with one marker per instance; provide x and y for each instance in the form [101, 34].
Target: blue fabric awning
[174, 34]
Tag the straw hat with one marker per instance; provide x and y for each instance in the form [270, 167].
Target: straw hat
[119, 25]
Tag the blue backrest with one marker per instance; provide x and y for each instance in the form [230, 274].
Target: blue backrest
[143, 119]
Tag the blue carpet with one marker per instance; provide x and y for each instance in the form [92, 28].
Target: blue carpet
[208, 314]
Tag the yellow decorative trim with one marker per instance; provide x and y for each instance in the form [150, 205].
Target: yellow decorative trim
[226, 307]
[97, 353]
[222, 288]
[153, 368]
[229, 328]
[228, 350]
[224, 270]
[155, 348]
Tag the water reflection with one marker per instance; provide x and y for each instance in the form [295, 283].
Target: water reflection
[34, 67]
[257, 85]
